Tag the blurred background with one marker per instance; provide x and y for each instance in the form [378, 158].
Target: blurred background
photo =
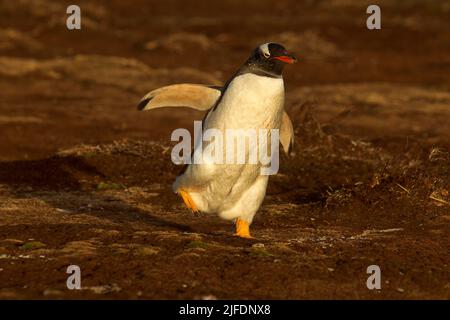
[68, 84]
[85, 178]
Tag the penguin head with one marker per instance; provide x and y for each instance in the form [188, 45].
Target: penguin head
[270, 57]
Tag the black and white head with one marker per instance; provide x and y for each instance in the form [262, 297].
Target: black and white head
[270, 59]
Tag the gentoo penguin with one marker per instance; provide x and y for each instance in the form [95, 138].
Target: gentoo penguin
[252, 99]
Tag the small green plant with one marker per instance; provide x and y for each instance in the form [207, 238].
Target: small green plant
[197, 244]
[260, 252]
[32, 245]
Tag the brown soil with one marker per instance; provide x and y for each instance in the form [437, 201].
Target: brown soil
[85, 179]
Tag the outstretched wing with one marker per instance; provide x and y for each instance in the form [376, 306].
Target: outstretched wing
[203, 97]
[194, 96]
[287, 134]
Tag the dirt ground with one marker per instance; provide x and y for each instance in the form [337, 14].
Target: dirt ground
[85, 179]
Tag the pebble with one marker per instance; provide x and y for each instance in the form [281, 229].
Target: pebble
[258, 245]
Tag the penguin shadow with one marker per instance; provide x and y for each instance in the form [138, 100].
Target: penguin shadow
[68, 184]
[64, 184]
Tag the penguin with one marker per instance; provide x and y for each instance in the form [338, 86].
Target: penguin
[252, 99]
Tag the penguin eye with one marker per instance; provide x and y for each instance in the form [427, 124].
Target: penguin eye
[266, 55]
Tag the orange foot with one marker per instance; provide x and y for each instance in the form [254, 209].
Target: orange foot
[242, 229]
[188, 201]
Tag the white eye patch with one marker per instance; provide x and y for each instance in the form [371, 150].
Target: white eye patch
[265, 49]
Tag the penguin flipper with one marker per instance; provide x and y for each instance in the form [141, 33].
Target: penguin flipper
[287, 134]
[196, 96]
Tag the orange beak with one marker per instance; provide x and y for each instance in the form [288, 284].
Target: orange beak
[287, 59]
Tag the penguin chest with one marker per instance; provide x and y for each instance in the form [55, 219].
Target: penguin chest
[250, 101]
